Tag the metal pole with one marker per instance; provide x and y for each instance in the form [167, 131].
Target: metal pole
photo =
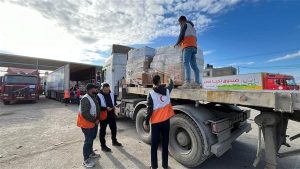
[37, 64]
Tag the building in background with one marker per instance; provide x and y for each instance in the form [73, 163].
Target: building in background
[210, 71]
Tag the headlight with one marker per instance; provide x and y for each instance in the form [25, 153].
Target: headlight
[5, 94]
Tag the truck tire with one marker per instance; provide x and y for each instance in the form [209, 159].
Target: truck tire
[186, 143]
[139, 121]
[6, 102]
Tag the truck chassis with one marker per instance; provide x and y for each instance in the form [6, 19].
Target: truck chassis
[207, 122]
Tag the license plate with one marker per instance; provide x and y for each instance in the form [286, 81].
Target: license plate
[19, 97]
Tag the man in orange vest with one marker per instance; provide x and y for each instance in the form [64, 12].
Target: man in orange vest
[88, 120]
[66, 97]
[159, 112]
[107, 103]
[188, 43]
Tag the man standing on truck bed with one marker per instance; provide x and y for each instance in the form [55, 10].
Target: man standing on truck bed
[107, 103]
[188, 43]
[87, 120]
[159, 112]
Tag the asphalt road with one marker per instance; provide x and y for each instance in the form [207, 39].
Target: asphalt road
[44, 135]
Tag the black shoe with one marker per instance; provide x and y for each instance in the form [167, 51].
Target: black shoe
[116, 143]
[106, 149]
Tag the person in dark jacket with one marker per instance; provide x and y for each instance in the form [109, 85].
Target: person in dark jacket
[108, 102]
[88, 120]
[159, 112]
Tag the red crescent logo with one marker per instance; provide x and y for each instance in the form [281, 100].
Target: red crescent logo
[161, 99]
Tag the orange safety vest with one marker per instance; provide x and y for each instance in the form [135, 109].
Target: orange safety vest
[190, 37]
[103, 114]
[66, 94]
[162, 108]
[81, 121]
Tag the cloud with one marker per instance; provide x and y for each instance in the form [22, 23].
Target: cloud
[208, 52]
[286, 57]
[74, 29]
[241, 63]
[296, 75]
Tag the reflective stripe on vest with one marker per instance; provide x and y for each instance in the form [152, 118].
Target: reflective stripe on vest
[103, 115]
[66, 94]
[81, 121]
[190, 37]
[162, 108]
[102, 99]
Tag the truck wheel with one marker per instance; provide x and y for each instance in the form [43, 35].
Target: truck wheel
[139, 121]
[186, 142]
[6, 102]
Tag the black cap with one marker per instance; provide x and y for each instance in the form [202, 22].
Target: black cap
[90, 86]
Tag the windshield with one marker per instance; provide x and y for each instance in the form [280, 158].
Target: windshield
[290, 82]
[20, 79]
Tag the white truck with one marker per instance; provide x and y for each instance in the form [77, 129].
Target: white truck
[70, 75]
[208, 121]
[114, 68]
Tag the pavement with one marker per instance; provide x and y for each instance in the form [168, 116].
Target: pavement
[45, 135]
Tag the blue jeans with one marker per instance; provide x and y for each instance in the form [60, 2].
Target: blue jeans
[189, 58]
[89, 135]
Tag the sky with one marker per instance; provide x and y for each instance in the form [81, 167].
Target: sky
[252, 35]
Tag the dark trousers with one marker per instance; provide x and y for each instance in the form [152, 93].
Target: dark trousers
[77, 100]
[67, 100]
[89, 135]
[157, 130]
[111, 121]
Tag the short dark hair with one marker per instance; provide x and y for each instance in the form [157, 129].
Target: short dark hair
[182, 18]
[156, 80]
[90, 86]
[105, 85]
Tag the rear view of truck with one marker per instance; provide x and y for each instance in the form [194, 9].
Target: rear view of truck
[20, 85]
[69, 76]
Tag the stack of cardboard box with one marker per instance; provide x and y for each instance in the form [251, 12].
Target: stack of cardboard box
[138, 64]
[168, 63]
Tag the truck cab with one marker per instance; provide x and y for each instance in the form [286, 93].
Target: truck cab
[279, 82]
[19, 87]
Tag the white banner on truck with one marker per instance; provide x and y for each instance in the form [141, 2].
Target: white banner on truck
[236, 82]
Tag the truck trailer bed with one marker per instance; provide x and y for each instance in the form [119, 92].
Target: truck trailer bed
[281, 101]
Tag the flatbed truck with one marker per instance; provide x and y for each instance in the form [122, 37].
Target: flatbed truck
[207, 121]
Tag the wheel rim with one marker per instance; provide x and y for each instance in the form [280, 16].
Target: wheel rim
[182, 142]
[183, 138]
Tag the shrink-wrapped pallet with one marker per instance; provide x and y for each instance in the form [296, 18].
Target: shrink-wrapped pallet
[169, 62]
[138, 65]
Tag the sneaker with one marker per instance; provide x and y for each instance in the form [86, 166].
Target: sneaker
[94, 155]
[106, 149]
[195, 85]
[116, 143]
[88, 164]
[186, 85]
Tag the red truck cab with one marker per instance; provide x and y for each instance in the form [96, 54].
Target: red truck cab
[279, 82]
[19, 84]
